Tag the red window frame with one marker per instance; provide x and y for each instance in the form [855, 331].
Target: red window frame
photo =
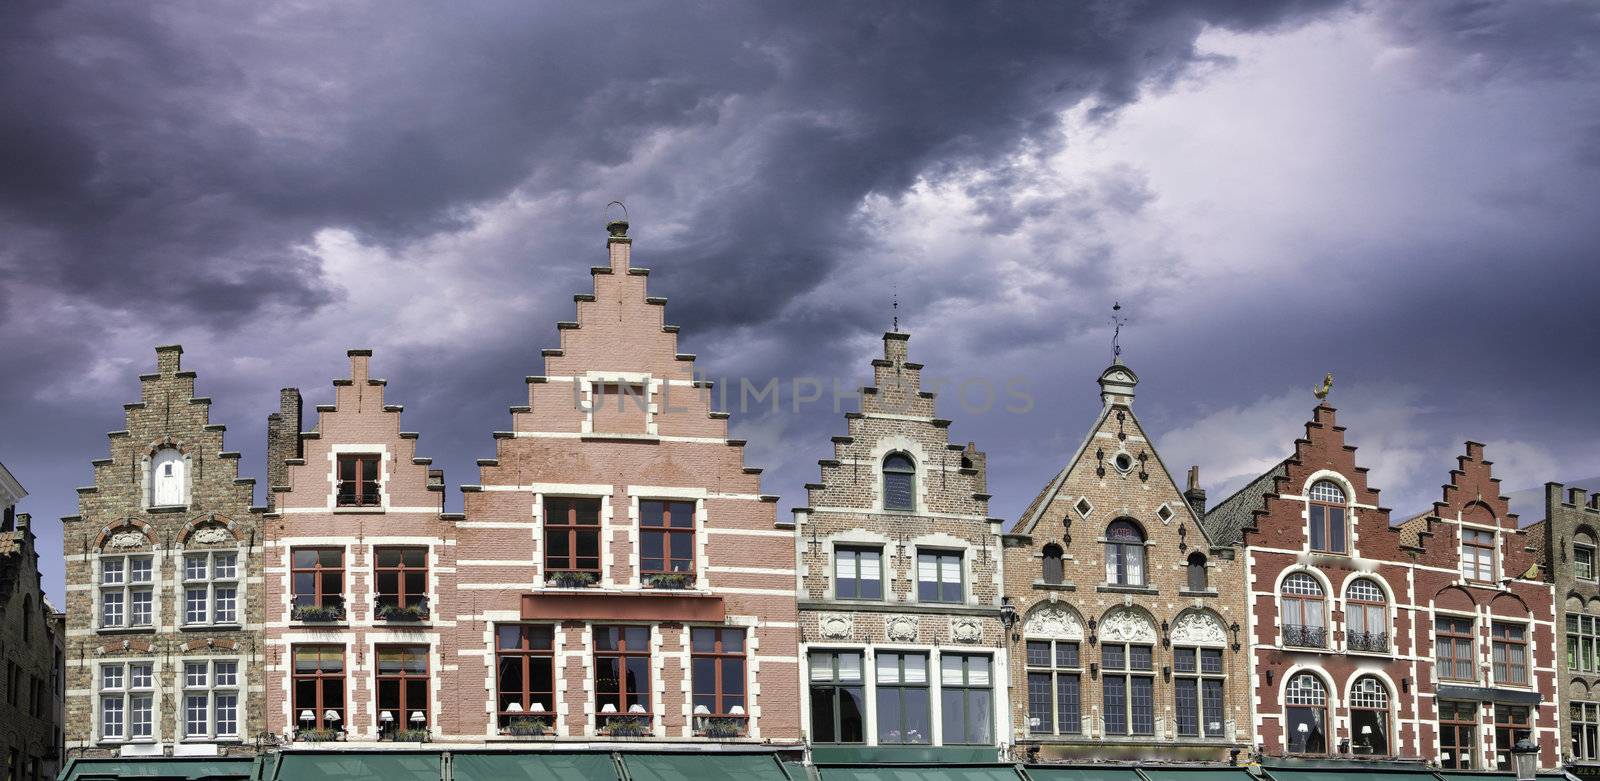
[359, 472]
[532, 641]
[322, 678]
[1329, 516]
[1449, 635]
[1470, 541]
[616, 657]
[400, 596]
[401, 679]
[668, 520]
[1502, 644]
[1459, 720]
[566, 515]
[320, 593]
[720, 648]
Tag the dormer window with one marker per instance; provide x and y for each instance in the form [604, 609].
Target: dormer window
[1327, 528]
[899, 482]
[358, 480]
[167, 484]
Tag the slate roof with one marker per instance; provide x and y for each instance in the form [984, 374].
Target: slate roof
[1224, 522]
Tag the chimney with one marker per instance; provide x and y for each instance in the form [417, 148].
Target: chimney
[1194, 494]
[283, 442]
[980, 462]
[168, 357]
[618, 245]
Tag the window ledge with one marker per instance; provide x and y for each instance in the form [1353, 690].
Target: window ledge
[1040, 585]
[1388, 654]
[359, 510]
[126, 630]
[1113, 588]
[233, 627]
[1206, 593]
[1305, 649]
[167, 508]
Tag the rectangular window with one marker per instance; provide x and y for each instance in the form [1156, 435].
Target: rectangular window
[1453, 648]
[1458, 723]
[717, 661]
[318, 681]
[939, 576]
[1128, 689]
[358, 480]
[1197, 691]
[1510, 654]
[838, 697]
[966, 699]
[1585, 720]
[210, 699]
[858, 573]
[1477, 554]
[1583, 562]
[666, 536]
[1511, 724]
[402, 580]
[1054, 678]
[526, 665]
[903, 710]
[316, 576]
[127, 595]
[622, 672]
[572, 535]
[402, 688]
[1583, 637]
[127, 701]
[210, 588]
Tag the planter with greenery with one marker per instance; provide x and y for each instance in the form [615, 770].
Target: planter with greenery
[415, 611]
[673, 581]
[628, 726]
[527, 726]
[723, 727]
[570, 579]
[323, 735]
[317, 613]
[410, 735]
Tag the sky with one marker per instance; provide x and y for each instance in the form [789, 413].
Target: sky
[1401, 193]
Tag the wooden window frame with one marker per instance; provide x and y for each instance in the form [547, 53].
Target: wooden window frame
[1332, 515]
[211, 586]
[1470, 542]
[621, 654]
[367, 491]
[211, 690]
[1322, 707]
[569, 524]
[967, 691]
[400, 597]
[1301, 606]
[1058, 667]
[401, 678]
[1458, 726]
[1503, 645]
[1507, 730]
[1584, 738]
[1447, 635]
[1383, 709]
[1367, 639]
[321, 679]
[523, 654]
[1118, 550]
[667, 529]
[319, 596]
[720, 657]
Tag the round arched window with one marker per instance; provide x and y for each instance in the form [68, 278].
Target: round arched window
[1327, 520]
[1306, 714]
[1369, 717]
[1304, 612]
[1124, 553]
[899, 482]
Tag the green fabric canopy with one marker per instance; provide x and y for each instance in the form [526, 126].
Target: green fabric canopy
[919, 773]
[534, 766]
[159, 768]
[1196, 774]
[1349, 774]
[1046, 773]
[353, 765]
[703, 767]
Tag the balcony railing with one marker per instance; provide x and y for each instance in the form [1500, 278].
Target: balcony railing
[1377, 642]
[1305, 636]
[366, 494]
[387, 607]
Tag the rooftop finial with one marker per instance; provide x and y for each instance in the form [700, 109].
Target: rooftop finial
[617, 227]
[1117, 322]
[894, 306]
[1322, 392]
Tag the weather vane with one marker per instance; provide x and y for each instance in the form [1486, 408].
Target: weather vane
[1327, 385]
[894, 305]
[1117, 321]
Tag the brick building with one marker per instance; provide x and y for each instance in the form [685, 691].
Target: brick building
[620, 572]
[1127, 639]
[163, 575]
[1567, 543]
[1427, 641]
[358, 572]
[900, 577]
[31, 643]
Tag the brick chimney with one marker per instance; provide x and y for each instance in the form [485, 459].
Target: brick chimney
[1194, 494]
[283, 442]
[618, 245]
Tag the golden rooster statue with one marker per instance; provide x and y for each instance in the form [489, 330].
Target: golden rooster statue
[1327, 385]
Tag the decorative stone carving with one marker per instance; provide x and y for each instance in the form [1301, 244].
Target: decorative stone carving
[901, 629]
[128, 540]
[1198, 628]
[835, 626]
[210, 535]
[965, 630]
[1127, 626]
[1053, 622]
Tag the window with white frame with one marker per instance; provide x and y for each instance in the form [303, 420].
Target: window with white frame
[1477, 554]
[1509, 653]
[1583, 556]
[211, 588]
[1369, 717]
[1327, 518]
[1303, 605]
[1366, 612]
[167, 485]
[966, 699]
[126, 591]
[127, 701]
[210, 699]
[1306, 714]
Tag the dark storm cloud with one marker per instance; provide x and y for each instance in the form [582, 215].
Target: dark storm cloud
[1478, 40]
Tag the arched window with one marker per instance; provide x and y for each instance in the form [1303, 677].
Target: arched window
[1197, 572]
[1124, 553]
[1052, 564]
[1327, 517]
[167, 487]
[1304, 616]
[899, 482]
[1306, 714]
[1366, 613]
[1369, 717]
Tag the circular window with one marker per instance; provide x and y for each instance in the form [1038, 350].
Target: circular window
[1124, 462]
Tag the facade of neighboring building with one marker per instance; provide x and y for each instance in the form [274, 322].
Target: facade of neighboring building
[620, 572]
[1127, 639]
[1429, 641]
[163, 573]
[30, 645]
[1568, 540]
[359, 569]
[900, 579]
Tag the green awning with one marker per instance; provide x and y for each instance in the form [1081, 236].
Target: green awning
[1196, 774]
[352, 765]
[1373, 773]
[903, 755]
[919, 773]
[1110, 773]
[174, 769]
[534, 766]
[704, 766]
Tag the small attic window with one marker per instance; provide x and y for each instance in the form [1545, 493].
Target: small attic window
[167, 485]
[1164, 513]
[1083, 507]
[1124, 462]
